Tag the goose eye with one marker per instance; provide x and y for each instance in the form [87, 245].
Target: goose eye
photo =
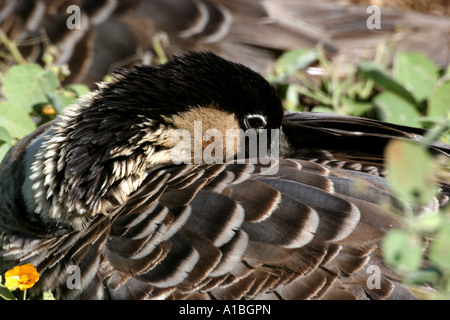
[255, 121]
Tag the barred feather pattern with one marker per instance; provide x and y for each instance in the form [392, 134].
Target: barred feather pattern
[60, 148]
[226, 231]
[306, 226]
[220, 231]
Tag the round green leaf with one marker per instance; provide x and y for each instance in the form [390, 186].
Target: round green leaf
[5, 136]
[323, 109]
[47, 295]
[292, 98]
[355, 108]
[78, 89]
[6, 294]
[440, 248]
[27, 85]
[393, 108]
[428, 222]
[60, 101]
[402, 250]
[15, 121]
[294, 60]
[4, 148]
[411, 172]
[439, 103]
[384, 80]
[416, 72]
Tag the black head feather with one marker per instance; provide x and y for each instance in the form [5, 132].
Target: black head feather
[106, 144]
[111, 120]
[191, 80]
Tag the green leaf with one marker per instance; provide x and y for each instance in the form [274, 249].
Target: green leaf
[383, 79]
[427, 222]
[47, 295]
[423, 276]
[294, 60]
[6, 294]
[292, 98]
[27, 85]
[60, 101]
[416, 72]
[79, 89]
[5, 136]
[323, 109]
[402, 250]
[395, 109]
[439, 103]
[411, 171]
[440, 128]
[4, 147]
[355, 108]
[440, 248]
[15, 120]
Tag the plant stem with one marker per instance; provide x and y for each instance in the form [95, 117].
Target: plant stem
[12, 48]
[158, 41]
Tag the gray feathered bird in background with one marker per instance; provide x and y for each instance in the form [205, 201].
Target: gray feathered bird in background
[98, 190]
[121, 33]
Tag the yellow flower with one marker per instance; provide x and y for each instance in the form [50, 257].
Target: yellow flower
[22, 277]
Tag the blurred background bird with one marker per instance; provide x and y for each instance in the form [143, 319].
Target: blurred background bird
[114, 33]
[98, 189]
